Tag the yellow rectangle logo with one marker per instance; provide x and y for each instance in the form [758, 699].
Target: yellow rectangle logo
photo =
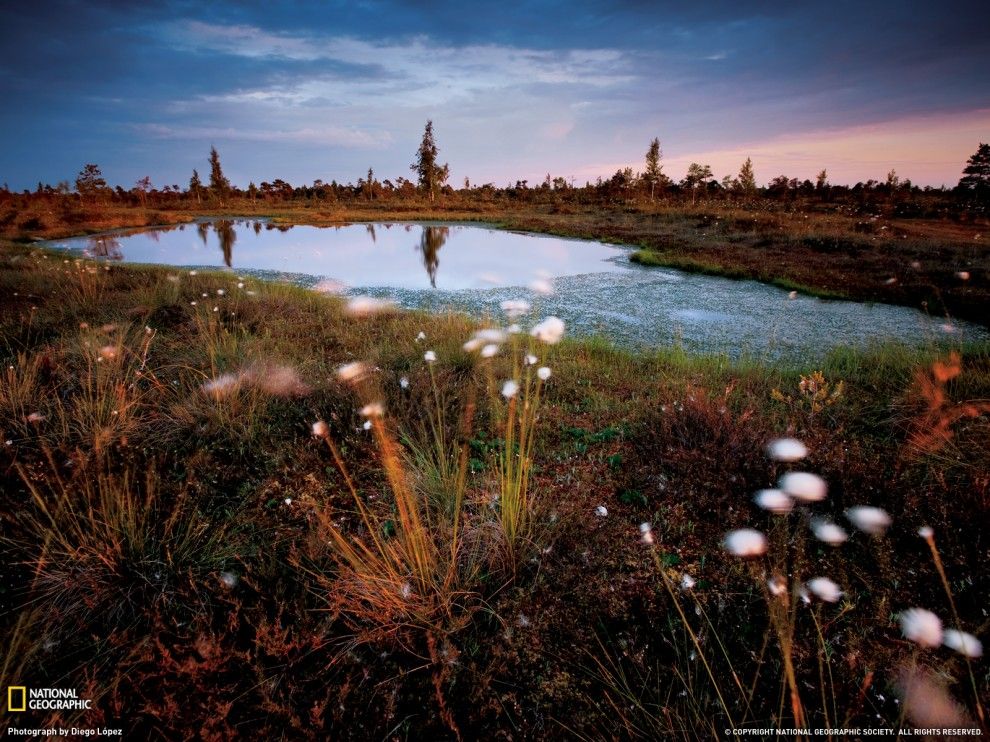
[13, 693]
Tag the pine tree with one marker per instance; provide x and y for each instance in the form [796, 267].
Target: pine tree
[746, 181]
[975, 182]
[196, 186]
[654, 170]
[219, 185]
[431, 176]
[90, 182]
[697, 176]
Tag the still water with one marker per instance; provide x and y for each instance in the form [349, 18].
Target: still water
[596, 290]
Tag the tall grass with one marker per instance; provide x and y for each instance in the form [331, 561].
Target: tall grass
[105, 546]
[403, 542]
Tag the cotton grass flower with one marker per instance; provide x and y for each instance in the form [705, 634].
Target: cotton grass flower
[108, 352]
[541, 286]
[601, 511]
[326, 286]
[229, 580]
[487, 336]
[429, 356]
[777, 586]
[687, 581]
[965, 644]
[352, 372]
[222, 385]
[773, 500]
[515, 308]
[646, 533]
[549, 331]
[786, 449]
[530, 359]
[509, 389]
[926, 533]
[321, 429]
[421, 336]
[279, 381]
[404, 382]
[36, 417]
[745, 542]
[869, 519]
[544, 373]
[367, 306]
[922, 627]
[927, 704]
[828, 532]
[489, 350]
[373, 409]
[803, 486]
[824, 589]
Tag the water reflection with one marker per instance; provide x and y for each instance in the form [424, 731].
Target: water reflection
[597, 290]
[104, 246]
[227, 236]
[432, 239]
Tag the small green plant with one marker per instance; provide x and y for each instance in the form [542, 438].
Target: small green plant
[814, 394]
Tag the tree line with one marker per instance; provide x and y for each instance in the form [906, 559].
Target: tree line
[431, 181]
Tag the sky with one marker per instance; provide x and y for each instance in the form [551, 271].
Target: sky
[577, 88]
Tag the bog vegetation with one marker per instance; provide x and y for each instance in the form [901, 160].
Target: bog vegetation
[242, 508]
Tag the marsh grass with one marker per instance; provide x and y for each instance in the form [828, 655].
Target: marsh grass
[105, 546]
[365, 577]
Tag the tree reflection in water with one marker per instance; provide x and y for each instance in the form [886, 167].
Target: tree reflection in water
[227, 236]
[432, 240]
[105, 246]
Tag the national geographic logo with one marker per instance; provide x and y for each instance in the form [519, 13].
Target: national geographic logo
[16, 698]
[21, 698]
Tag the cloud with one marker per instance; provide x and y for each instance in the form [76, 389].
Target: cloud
[324, 136]
[407, 69]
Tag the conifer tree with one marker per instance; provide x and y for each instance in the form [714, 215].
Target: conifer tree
[431, 175]
[975, 182]
[746, 182]
[654, 170]
[219, 184]
[196, 186]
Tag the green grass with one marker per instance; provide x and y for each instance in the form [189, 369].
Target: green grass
[202, 562]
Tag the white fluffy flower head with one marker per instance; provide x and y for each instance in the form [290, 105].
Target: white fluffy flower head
[786, 449]
[549, 331]
[804, 486]
[825, 589]
[922, 627]
[745, 542]
[869, 519]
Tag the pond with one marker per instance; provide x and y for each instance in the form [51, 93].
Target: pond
[469, 268]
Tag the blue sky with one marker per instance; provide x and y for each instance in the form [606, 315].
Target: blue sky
[307, 90]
